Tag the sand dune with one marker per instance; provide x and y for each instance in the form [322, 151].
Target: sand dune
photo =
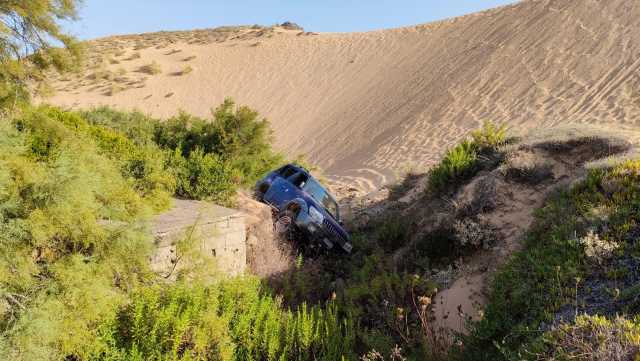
[368, 105]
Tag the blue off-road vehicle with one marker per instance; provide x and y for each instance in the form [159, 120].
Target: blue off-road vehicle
[303, 207]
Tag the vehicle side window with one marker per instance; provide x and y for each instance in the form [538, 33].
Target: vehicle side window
[298, 179]
[287, 172]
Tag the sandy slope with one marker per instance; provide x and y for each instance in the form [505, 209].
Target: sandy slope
[366, 105]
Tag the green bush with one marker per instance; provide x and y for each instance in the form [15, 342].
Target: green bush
[142, 164]
[232, 149]
[458, 164]
[490, 135]
[69, 241]
[235, 135]
[462, 161]
[204, 177]
[74, 277]
[392, 233]
[135, 125]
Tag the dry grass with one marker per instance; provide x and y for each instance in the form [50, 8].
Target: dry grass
[101, 75]
[114, 89]
[526, 166]
[595, 338]
[152, 68]
[134, 56]
[141, 46]
[184, 71]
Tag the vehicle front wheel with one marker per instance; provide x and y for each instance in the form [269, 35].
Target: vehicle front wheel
[284, 224]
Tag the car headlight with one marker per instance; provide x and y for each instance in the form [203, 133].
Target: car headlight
[315, 215]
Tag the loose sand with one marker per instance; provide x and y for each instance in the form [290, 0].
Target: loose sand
[366, 105]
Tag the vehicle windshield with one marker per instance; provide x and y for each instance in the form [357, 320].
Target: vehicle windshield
[320, 194]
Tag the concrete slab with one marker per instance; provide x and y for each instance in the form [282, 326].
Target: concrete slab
[218, 233]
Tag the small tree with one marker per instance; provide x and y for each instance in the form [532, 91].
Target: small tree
[238, 131]
[28, 31]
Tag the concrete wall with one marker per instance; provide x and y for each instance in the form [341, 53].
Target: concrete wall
[218, 233]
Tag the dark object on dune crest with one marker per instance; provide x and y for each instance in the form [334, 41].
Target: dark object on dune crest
[291, 26]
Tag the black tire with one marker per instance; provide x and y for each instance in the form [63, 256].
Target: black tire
[260, 191]
[285, 224]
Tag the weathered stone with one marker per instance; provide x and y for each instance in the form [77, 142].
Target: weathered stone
[218, 232]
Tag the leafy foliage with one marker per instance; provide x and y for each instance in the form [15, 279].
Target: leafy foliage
[209, 158]
[70, 239]
[75, 190]
[141, 164]
[231, 320]
[203, 176]
[459, 163]
[234, 135]
[28, 28]
[490, 135]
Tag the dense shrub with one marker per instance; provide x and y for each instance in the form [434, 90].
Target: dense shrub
[142, 164]
[392, 233]
[210, 158]
[136, 126]
[74, 277]
[231, 320]
[203, 176]
[234, 135]
[70, 244]
[385, 301]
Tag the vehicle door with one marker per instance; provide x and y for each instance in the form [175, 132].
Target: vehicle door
[283, 190]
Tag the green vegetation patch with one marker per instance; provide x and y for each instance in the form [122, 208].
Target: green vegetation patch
[76, 190]
[546, 275]
[209, 158]
[463, 161]
[592, 338]
[231, 320]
